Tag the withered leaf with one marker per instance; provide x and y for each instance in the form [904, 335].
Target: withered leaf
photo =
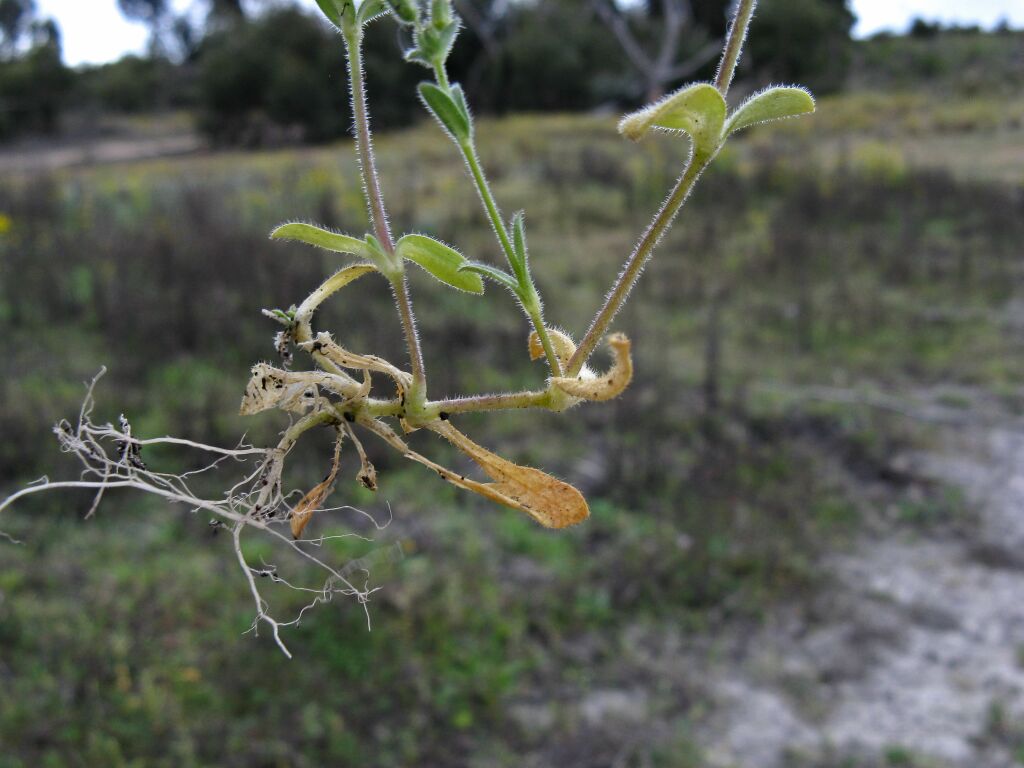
[564, 346]
[315, 498]
[606, 386]
[549, 501]
[325, 345]
[293, 391]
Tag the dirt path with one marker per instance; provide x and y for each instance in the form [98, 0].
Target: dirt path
[915, 656]
[47, 158]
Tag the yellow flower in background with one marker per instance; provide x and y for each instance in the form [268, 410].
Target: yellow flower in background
[5, 223]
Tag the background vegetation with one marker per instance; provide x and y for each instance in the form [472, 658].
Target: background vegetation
[272, 77]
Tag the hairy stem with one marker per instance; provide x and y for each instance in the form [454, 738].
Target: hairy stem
[441, 75]
[476, 403]
[670, 208]
[484, 189]
[634, 265]
[375, 204]
[433, 409]
[535, 312]
[734, 45]
[364, 141]
[400, 289]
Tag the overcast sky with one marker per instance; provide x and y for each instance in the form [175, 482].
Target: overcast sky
[94, 31]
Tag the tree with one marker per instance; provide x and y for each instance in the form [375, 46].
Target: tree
[15, 19]
[269, 77]
[922, 29]
[672, 18]
[804, 41]
[34, 85]
[553, 59]
[230, 10]
[790, 40]
[485, 19]
[152, 13]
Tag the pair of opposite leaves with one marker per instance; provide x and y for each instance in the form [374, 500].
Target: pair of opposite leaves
[700, 111]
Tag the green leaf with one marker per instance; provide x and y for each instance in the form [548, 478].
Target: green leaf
[441, 13]
[439, 260]
[446, 39]
[495, 274]
[447, 112]
[406, 11]
[284, 318]
[330, 11]
[371, 9]
[321, 238]
[416, 56]
[770, 104]
[698, 110]
[435, 40]
[519, 242]
[460, 101]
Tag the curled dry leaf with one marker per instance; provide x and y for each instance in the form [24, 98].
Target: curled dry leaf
[325, 346]
[293, 391]
[548, 500]
[609, 385]
[564, 346]
[313, 500]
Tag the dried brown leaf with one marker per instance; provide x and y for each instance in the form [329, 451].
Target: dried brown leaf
[293, 391]
[325, 345]
[564, 346]
[315, 498]
[607, 386]
[551, 502]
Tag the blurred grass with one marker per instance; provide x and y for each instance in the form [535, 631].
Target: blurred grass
[856, 265]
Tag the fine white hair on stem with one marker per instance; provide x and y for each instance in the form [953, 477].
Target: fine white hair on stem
[111, 459]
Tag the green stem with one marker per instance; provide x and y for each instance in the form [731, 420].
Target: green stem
[476, 403]
[634, 265]
[734, 45]
[441, 75]
[537, 319]
[364, 141]
[670, 208]
[375, 205]
[534, 311]
[483, 188]
[302, 426]
[400, 290]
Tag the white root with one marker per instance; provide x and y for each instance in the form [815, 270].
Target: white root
[112, 459]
